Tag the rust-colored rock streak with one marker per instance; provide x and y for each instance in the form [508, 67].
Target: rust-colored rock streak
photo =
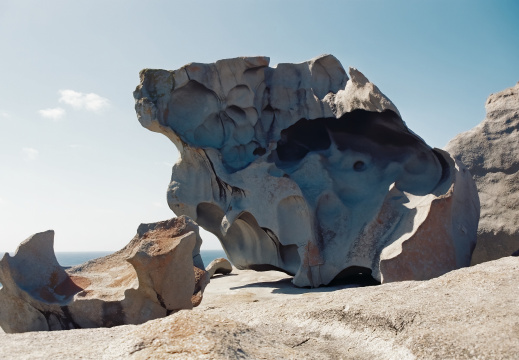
[153, 276]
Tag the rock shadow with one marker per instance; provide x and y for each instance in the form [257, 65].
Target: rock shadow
[285, 286]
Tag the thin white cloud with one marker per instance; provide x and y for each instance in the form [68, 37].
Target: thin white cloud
[78, 100]
[75, 146]
[104, 211]
[2, 201]
[158, 204]
[54, 113]
[30, 154]
[5, 114]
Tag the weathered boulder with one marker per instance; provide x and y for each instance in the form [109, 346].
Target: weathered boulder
[470, 313]
[151, 277]
[304, 169]
[219, 266]
[491, 153]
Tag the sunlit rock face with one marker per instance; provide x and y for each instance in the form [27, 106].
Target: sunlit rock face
[159, 272]
[304, 169]
[219, 266]
[491, 152]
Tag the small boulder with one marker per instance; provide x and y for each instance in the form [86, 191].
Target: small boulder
[219, 266]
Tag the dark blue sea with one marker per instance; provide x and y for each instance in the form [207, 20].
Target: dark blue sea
[75, 258]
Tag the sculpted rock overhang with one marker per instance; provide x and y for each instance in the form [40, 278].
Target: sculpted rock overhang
[306, 170]
[159, 272]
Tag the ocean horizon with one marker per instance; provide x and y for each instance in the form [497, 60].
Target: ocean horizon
[72, 258]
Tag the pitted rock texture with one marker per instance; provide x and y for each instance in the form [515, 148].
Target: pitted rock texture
[491, 152]
[151, 277]
[304, 169]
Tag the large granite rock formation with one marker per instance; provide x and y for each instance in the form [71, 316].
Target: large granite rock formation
[151, 277]
[304, 169]
[491, 152]
[470, 313]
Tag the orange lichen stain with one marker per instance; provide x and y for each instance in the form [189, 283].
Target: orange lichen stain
[81, 281]
[201, 280]
[312, 255]
[46, 295]
[72, 285]
[53, 280]
[125, 279]
[196, 299]
[169, 229]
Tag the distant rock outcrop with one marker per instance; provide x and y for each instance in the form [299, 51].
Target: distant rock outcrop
[301, 168]
[151, 277]
[219, 266]
[491, 153]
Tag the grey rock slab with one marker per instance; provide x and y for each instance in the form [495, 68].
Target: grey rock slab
[491, 152]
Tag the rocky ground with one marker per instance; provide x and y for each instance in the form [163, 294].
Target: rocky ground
[468, 313]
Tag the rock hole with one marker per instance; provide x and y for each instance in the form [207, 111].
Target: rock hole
[300, 139]
[382, 135]
[357, 275]
[259, 151]
[359, 166]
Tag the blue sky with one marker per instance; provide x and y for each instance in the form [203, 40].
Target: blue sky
[75, 159]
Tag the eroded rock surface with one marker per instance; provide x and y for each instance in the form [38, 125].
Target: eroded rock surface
[219, 266]
[304, 169]
[491, 153]
[470, 313]
[151, 277]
